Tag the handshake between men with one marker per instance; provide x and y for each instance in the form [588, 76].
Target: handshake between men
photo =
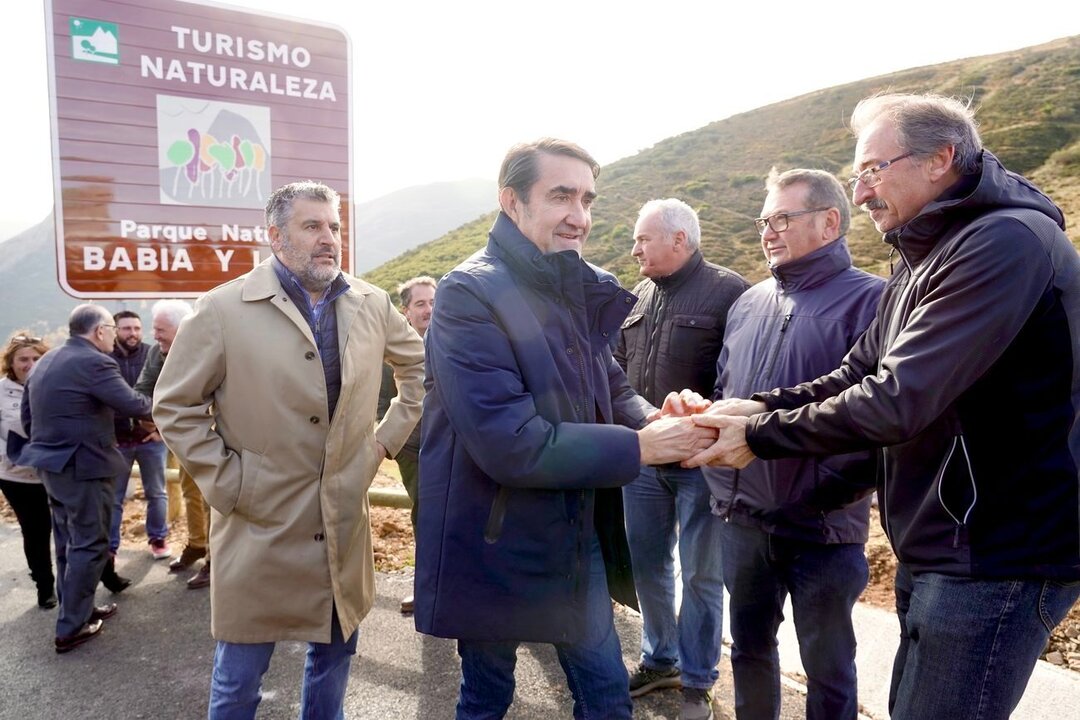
[717, 438]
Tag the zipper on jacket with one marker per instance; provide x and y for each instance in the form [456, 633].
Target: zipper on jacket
[652, 349]
[776, 349]
[579, 409]
[734, 494]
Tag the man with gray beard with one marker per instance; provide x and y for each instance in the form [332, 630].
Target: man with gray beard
[268, 398]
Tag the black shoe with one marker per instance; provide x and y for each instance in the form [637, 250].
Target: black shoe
[200, 579]
[102, 612]
[46, 598]
[69, 642]
[113, 583]
[187, 559]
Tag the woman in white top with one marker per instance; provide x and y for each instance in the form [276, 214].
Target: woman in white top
[20, 485]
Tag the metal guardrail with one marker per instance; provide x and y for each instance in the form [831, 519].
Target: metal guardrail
[394, 497]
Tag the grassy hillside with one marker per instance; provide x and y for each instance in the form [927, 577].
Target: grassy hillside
[1029, 104]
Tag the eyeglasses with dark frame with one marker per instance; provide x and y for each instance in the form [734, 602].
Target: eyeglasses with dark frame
[871, 176]
[779, 222]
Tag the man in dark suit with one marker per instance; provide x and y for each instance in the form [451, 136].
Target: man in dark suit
[67, 409]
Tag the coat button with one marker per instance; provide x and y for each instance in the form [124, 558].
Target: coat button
[319, 537]
[569, 351]
[314, 419]
[309, 355]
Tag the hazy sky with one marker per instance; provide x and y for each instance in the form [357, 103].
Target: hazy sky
[442, 89]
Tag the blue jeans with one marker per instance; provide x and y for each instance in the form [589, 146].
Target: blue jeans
[151, 458]
[658, 501]
[593, 665]
[824, 581]
[968, 646]
[239, 667]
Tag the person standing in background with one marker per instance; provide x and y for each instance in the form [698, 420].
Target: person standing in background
[21, 485]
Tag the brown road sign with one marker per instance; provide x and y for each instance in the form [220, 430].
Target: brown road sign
[172, 122]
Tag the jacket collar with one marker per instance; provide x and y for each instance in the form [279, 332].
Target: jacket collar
[81, 342]
[814, 268]
[562, 275]
[556, 273]
[990, 188]
[677, 278]
[263, 282]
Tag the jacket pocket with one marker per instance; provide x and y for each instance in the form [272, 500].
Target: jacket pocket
[250, 470]
[956, 489]
[694, 339]
[493, 528]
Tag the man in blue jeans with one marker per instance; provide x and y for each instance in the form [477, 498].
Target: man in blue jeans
[530, 428]
[795, 326]
[967, 384]
[138, 445]
[670, 342]
[267, 396]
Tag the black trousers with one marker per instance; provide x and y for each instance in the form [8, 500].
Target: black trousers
[31, 505]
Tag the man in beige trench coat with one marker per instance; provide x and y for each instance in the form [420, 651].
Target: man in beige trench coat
[268, 397]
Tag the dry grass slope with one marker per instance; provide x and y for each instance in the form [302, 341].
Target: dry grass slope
[1029, 104]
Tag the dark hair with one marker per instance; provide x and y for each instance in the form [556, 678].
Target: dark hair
[822, 190]
[279, 207]
[123, 314]
[520, 167]
[405, 289]
[85, 318]
[21, 339]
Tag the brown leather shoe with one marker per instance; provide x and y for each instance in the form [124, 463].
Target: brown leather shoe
[201, 579]
[68, 643]
[102, 612]
[407, 605]
[187, 559]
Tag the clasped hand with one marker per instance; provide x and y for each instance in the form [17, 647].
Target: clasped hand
[726, 418]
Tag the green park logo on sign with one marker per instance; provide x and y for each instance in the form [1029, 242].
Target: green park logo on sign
[95, 41]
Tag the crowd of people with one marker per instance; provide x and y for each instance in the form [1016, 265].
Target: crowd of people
[576, 435]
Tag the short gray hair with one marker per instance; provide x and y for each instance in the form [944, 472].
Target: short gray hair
[172, 310]
[675, 215]
[925, 124]
[279, 207]
[405, 289]
[85, 318]
[822, 190]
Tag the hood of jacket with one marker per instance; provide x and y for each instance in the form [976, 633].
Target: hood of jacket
[991, 188]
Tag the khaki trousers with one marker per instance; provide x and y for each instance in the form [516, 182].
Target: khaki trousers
[197, 511]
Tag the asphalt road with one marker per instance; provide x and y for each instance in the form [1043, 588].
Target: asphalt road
[154, 658]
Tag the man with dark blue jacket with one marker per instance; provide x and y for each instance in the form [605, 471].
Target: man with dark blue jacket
[968, 380]
[529, 430]
[781, 533]
[68, 411]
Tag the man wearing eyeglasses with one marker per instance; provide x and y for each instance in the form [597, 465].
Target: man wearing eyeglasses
[67, 410]
[669, 342]
[783, 531]
[968, 381]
